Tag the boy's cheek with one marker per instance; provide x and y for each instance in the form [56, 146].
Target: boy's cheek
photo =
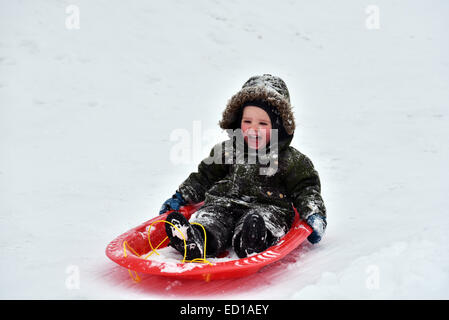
[267, 136]
[245, 129]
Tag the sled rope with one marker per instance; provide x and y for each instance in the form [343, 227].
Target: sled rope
[177, 229]
[204, 260]
[136, 277]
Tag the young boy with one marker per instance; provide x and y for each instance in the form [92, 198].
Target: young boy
[246, 204]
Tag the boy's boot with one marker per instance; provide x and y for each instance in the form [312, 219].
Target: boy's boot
[193, 236]
[253, 237]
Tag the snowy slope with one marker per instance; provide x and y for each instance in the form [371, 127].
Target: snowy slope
[86, 117]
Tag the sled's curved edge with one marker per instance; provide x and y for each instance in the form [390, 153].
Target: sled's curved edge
[219, 270]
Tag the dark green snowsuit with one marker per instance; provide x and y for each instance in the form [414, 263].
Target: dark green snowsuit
[231, 189]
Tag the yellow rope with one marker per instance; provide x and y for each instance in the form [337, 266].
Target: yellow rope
[205, 241]
[136, 277]
[125, 244]
[183, 238]
[154, 250]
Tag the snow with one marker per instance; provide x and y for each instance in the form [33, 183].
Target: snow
[172, 259]
[86, 116]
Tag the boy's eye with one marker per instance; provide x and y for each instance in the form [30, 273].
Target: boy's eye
[263, 123]
[246, 121]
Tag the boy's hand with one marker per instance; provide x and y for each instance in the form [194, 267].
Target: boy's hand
[174, 203]
[318, 225]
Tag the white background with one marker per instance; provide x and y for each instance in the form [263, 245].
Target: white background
[86, 116]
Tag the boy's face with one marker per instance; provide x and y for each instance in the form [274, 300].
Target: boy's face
[256, 126]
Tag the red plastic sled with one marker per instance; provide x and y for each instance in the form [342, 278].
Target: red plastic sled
[126, 249]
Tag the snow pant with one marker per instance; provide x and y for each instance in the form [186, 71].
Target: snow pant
[223, 222]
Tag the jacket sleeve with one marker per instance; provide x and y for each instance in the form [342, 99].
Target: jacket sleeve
[210, 170]
[304, 187]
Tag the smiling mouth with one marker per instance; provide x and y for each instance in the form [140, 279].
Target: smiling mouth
[253, 138]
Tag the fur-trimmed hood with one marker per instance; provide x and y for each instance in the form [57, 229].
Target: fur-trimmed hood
[268, 88]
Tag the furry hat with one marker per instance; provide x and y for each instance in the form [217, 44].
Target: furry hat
[270, 89]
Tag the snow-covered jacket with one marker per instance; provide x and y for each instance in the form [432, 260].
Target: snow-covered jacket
[293, 181]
